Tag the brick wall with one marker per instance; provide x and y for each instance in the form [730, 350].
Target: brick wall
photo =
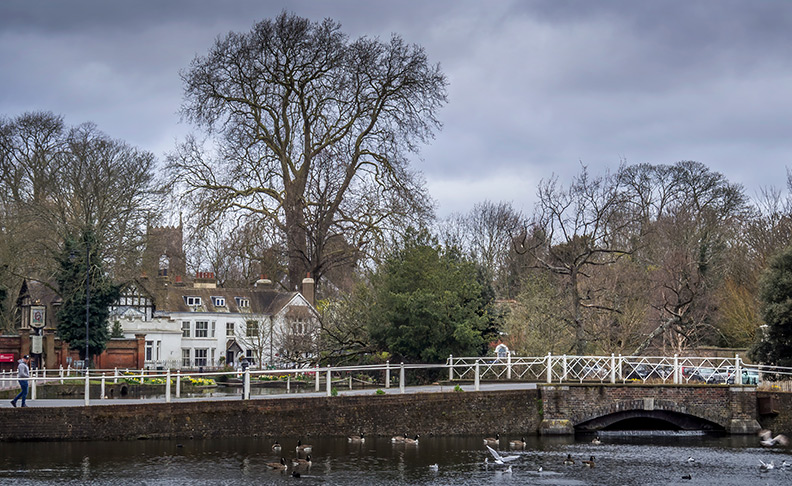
[426, 414]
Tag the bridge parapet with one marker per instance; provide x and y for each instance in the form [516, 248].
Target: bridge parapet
[594, 407]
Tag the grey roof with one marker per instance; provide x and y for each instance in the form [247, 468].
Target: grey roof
[262, 302]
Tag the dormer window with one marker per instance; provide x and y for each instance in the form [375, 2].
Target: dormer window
[242, 302]
[192, 300]
[218, 301]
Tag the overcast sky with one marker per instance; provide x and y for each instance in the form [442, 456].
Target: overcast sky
[536, 87]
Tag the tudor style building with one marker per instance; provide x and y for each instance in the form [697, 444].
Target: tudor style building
[196, 324]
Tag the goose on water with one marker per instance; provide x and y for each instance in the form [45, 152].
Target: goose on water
[276, 446]
[569, 461]
[277, 465]
[492, 440]
[517, 444]
[302, 462]
[589, 463]
[303, 447]
[410, 441]
[356, 438]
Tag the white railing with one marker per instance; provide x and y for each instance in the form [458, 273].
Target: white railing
[611, 369]
[614, 369]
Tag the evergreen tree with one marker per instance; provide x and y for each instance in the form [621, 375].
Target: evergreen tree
[72, 283]
[774, 345]
[429, 303]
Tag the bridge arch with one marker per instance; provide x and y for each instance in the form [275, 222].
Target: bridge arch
[683, 417]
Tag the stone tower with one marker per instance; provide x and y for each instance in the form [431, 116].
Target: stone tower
[164, 253]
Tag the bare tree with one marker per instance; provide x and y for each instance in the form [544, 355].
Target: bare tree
[575, 231]
[312, 133]
[57, 182]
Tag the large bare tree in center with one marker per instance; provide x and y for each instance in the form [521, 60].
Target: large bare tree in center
[312, 133]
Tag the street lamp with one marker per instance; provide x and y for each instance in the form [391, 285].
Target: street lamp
[87, 297]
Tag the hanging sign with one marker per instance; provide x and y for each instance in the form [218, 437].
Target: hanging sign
[38, 316]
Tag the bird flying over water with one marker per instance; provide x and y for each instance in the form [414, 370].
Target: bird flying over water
[768, 440]
[500, 459]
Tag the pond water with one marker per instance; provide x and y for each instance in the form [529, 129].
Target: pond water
[622, 458]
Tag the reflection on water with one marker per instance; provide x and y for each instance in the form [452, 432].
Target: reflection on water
[621, 459]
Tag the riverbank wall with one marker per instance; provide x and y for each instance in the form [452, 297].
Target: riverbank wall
[464, 413]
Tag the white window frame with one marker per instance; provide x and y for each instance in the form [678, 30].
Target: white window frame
[201, 356]
[192, 300]
[230, 329]
[186, 328]
[186, 358]
[201, 329]
[218, 301]
[243, 302]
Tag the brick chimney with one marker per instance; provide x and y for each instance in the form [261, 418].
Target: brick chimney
[263, 283]
[308, 289]
[205, 280]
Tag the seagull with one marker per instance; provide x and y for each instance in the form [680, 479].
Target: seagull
[569, 461]
[277, 465]
[589, 463]
[492, 440]
[500, 459]
[764, 466]
[786, 464]
[596, 441]
[434, 467]
[769, 441]
[538, 470]
[690, 460]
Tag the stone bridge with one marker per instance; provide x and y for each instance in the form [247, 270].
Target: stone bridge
[566, 408]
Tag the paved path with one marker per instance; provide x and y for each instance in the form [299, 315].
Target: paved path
[80, 402]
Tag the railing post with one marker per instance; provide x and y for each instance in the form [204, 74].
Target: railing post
[387, 374]
[288, 383]
[142, 374]
[476, 379]
[564, 369]
[317, 376]
[613, 368]
[508, 365]
[329, 381]
[102, 389]
[168, 386]
[401, 378]
[87, 388]
[676, 369]
[246, 392]
[33, 387]
[61, 374]
[621, 368]
[737, 370]
[178, 383]
[450, 367]
[549, 368]
[115, 375]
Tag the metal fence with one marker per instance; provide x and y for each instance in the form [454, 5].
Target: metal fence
[614, 369]
[549, 369]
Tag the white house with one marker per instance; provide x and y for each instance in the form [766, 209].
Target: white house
[198, 324]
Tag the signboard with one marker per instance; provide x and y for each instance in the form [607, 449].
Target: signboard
[38, 316]
[36, 344]
[6, 357]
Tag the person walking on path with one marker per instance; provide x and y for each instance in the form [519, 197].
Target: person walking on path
[23, 374]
